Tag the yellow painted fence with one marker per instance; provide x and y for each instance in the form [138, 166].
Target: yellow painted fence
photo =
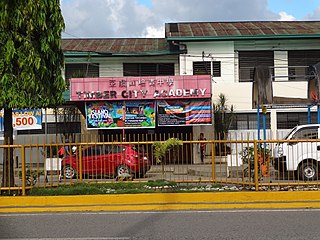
[262, 164]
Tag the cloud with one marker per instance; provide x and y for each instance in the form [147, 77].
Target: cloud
[105, 18]
[153, 32]
[286, 17]
[128, 18]
[314, 16]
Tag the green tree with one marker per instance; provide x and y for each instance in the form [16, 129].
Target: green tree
[30, 63]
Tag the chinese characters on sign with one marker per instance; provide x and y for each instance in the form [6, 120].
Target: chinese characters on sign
[130, 102]
[130, 88]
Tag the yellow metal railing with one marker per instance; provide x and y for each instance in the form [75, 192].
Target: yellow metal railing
[244, 163]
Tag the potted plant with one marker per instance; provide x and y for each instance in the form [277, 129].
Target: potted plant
[264, 158]
[32, 176]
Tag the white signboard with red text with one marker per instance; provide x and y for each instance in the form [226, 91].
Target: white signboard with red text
[26, 119]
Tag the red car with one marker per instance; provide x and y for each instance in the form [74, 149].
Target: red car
[106, 160]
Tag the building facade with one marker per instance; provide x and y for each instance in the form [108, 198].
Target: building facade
[228, 51]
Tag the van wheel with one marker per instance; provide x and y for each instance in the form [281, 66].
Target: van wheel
[308, 171]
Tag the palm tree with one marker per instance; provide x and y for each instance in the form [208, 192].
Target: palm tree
[223, 117]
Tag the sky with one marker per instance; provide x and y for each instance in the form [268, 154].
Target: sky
[146, 18]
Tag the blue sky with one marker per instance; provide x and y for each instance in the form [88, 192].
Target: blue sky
[298, 8]
[146, 18]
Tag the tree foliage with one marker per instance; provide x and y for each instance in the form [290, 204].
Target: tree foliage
[31, 56]
[30, 63]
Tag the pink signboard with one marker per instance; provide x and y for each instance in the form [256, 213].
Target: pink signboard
[130, 88]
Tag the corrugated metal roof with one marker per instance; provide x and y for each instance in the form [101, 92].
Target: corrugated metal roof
[251, 29]
[116, 45]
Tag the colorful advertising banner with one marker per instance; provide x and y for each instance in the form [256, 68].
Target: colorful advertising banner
[137, 88]
[24, 119]
[184, 112]
[120, 114]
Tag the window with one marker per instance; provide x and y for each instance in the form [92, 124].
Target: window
[246, 121]
[204, 68]
[148, 69]
[81, 70]
[299, 61]
[248, 60]
[288, 120]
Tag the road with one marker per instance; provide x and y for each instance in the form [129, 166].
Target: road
[219, 224]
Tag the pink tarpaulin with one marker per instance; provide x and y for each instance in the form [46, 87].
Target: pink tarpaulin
[130, 88]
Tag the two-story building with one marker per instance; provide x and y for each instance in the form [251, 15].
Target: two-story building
[228, 51]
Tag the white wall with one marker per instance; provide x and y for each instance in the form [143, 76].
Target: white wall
[213, 51]
[281, 65]
[237, 94]
[113, 67]
[290, 89]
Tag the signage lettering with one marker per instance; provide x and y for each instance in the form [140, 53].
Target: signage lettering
[149, 87]
[141, 93]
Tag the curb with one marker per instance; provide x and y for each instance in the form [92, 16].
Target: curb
[161, 202]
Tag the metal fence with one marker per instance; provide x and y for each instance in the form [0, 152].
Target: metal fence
[259, 165]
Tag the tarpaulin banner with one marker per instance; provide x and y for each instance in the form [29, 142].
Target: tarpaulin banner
[184, 112]
[120, 114]
[26, 119]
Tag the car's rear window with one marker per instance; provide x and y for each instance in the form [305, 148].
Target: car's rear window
[139, 149]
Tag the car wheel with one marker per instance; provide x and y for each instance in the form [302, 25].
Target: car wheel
[68, 172]
[123, 171]
[308, 171]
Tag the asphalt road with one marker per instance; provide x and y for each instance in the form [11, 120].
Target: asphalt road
[220, 224]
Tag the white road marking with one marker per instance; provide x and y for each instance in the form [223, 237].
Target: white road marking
[159, 212]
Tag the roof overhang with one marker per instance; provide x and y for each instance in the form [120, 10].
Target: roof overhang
[129, 54]
[232, 38]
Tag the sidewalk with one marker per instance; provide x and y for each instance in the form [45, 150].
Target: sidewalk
[162, 202]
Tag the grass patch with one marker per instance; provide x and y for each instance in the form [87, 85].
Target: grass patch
[119, 188]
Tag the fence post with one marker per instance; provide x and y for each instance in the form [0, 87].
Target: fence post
[23, 170]
[213, 161]
[256, 173]
[80, 162]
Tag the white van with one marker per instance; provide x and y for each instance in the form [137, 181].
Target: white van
[300, 155]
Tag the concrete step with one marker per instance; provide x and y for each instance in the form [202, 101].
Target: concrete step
[205, 170]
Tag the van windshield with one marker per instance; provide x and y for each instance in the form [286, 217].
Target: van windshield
[286, 137]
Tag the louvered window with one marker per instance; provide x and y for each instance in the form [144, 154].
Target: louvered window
[299, 61]
[288, 120]
[204, 68]
[81, 70]
[246, 121]
[148, 69]
[248, 60]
